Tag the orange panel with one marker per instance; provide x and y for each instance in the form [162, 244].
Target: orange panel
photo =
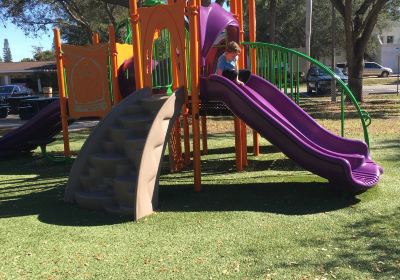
[157, 18]
[87, 80]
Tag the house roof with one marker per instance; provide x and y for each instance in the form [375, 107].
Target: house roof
[27, 67]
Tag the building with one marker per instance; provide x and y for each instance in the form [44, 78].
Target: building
[389, 53]
[35, 75]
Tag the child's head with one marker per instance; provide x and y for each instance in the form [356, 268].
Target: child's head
[232, 47]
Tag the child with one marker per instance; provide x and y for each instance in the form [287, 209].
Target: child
[227, 64]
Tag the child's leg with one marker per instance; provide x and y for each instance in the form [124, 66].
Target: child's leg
[230, 74]
[244, 75]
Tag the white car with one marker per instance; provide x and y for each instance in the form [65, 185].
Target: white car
[375, 69]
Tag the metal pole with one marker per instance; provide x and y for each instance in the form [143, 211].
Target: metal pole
[308, 29]
[333, 81]
[398, 73]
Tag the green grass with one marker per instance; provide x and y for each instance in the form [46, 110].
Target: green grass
[273, 221]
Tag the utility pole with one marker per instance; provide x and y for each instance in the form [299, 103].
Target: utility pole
[308, 30]
[333, 29]
[398, 72]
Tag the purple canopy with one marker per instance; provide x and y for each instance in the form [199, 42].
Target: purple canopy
[213, 21]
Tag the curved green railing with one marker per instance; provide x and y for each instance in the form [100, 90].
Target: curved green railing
[281, 66]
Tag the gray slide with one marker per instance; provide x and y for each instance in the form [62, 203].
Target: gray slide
[119, 164]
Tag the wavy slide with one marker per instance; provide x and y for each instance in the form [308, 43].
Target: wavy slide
[38, 130]
[344, 162]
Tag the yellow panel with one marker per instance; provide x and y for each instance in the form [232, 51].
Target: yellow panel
[124, 51]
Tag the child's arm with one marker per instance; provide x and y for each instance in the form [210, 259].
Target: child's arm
[237, 77]
[219, 71]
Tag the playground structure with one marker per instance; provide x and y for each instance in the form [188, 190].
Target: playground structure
[118, 167]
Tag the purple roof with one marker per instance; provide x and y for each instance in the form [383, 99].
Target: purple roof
[213, 21]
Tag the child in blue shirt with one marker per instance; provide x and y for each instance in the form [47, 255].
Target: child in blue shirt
[227, 64]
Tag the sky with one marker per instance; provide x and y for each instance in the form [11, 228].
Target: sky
[21, 45]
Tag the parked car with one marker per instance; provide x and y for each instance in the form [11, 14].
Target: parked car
[319, 81]
[13, 91]
[342, 66]
[373, 68]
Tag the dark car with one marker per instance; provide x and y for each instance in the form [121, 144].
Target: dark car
[342, 66]
[319, 81]
[13, 91]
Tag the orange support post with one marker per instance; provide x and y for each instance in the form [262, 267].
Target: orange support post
[238, 135]
[243, 131]
[134, 19]
[238, 146]
[186, 132]
[239, 9]
[252, 31]
[233, 8]
[204, 135]
[114, 65]
[95, 38]
[193, 10]
[62, 92]
[239, 5]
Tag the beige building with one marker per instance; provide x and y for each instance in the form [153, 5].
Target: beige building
[34, 75]
[389, 53]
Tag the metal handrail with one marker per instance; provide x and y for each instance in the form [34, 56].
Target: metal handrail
[279, 55]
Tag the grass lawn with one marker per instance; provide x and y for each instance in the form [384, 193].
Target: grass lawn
[392, 80]
[273, 221]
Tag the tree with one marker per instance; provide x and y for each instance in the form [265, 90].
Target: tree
[40, 55]
[27, 59]
[360, 18]
[77, 19]
[1, 60]
[7, 57]
[272, 20]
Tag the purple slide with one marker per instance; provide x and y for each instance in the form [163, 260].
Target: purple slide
[38, 130]
[344, 162]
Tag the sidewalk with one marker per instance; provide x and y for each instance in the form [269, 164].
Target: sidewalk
[13, 121]
[380, 89]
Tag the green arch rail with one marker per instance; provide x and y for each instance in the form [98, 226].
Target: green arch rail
[281, 66]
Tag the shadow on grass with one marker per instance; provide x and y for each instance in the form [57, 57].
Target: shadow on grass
[46, 201]
[369, 246]
[48, 204]
[38, 189]
[390, 150]
[281, 198]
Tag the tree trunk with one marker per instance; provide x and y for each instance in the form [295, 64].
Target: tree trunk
[355, 72]
[272, 21]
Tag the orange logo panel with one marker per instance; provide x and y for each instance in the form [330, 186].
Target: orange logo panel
[87, 80]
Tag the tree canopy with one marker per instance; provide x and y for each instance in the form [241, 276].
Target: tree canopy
[77, 19]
